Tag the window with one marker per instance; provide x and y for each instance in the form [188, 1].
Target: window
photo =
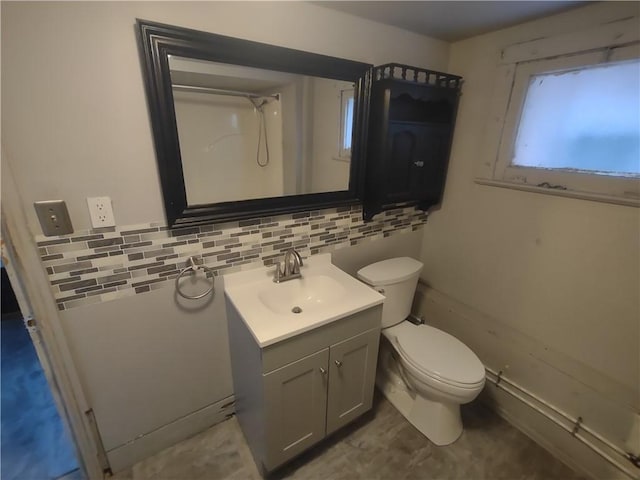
[346, 124]
[584, 119]
[568, 123]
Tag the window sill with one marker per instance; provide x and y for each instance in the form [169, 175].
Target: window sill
[341, 159]
[627, 201]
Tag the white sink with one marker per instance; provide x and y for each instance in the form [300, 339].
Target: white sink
[311, 292]
[276, 311]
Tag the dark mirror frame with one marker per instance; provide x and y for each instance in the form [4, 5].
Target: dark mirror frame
[157, 41]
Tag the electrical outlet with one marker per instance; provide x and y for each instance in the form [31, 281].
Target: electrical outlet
[101, 212]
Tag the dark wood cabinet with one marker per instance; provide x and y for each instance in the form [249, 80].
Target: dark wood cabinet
[411, 123]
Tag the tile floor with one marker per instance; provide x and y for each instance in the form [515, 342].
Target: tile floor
[380, 445]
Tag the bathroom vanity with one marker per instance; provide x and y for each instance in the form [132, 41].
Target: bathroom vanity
[298, 377]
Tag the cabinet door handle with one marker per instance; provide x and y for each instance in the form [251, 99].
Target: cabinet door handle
[338, 363]
[419, 163]
[323, 371]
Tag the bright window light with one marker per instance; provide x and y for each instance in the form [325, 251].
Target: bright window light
[346, 122]
[585, 120]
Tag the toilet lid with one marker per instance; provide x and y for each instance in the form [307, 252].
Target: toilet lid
[386, 272]
[437, 354]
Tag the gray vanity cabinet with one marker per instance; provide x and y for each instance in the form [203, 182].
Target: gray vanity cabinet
[352, 374]
[291, 394]
[295, 407]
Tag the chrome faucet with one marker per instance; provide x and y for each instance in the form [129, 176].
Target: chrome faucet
[289, 270]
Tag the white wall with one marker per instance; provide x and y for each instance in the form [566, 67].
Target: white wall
[291, 107]
[219, 148]
[75, 119]
[148, 361]
[563, 272]
[328, 173]
[75, 124]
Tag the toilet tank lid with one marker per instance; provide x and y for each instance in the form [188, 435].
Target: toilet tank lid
[390, 271]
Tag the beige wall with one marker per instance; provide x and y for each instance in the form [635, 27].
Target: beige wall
[562, 272]
[327, 172]
[75, 120]
[75, 124]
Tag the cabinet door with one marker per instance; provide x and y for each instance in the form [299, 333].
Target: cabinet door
[403, 142]
[417, 161]
[295, 407]
[352, 372]
[429, 164]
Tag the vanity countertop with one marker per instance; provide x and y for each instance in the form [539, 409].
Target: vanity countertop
[324, 294]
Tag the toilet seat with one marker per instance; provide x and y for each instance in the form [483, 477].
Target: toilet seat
[437, 356]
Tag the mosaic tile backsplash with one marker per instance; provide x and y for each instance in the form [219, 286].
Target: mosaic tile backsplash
[106, 264]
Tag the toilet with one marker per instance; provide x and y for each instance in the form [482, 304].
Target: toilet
[424, 372]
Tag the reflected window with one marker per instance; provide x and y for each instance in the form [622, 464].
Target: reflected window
[346, 123]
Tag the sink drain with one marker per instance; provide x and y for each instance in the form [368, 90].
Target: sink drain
[296, 310]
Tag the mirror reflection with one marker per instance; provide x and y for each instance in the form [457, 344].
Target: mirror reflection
[248, 133]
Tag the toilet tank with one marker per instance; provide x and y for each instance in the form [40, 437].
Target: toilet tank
[396, 279]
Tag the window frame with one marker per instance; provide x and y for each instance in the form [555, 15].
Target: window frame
[517, 64]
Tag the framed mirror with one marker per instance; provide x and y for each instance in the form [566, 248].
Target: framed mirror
[244, 129]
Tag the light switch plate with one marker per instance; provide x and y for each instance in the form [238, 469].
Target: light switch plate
[54, 217]
[101, 212]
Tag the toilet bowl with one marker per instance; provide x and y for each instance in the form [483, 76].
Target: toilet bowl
[424, 372]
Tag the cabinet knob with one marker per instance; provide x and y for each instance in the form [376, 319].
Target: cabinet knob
[323, 371]
[338, 363]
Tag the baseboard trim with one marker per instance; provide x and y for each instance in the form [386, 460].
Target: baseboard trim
[146, 445]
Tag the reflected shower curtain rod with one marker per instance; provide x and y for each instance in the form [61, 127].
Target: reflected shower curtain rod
[220, 91]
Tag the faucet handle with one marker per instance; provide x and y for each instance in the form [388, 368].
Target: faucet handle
[290, 267]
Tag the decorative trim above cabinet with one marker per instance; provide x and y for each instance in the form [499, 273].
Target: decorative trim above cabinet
[416, 75]
[412, 117]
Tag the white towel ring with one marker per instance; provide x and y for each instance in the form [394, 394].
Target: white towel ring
[192, 266]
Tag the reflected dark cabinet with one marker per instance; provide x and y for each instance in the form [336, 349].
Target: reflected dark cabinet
[412, 116]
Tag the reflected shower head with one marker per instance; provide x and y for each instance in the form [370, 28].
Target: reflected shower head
[257, 102]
